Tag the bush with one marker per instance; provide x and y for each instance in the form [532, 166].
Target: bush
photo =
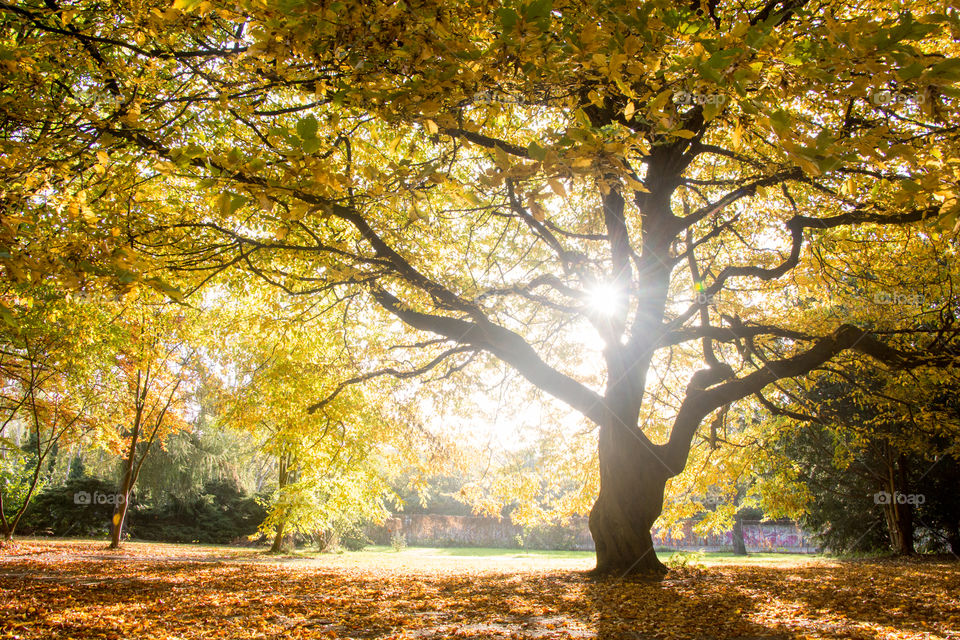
[64, 511]
[398, 541]
[349, 537]
[219, 515]
[549, 537]
[355, 539]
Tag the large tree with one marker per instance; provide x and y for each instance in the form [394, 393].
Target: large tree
[504, 177]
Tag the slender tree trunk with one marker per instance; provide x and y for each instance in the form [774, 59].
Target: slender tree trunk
[4, 525]
[277, 546]
[10, 524]
[905, 510]
[123, 500]
[632, 482]
[898, 528]
[283, 477]
[739, 548]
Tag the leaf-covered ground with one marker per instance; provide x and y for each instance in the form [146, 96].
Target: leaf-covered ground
[81, 590]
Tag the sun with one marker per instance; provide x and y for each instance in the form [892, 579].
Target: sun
[605, 299]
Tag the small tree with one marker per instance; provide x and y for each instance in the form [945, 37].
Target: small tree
[870, 453]
[153, 375]
[331, 466]
[50, 354]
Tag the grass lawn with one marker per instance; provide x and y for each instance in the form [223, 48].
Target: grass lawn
[80, 589]
[490, 557]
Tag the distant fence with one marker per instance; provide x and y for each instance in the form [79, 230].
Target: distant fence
[428, 530]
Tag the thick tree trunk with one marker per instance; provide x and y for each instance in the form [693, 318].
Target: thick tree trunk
[632, 481]
[898, 513]
[739, 548]
[899, 528]
[953, 539]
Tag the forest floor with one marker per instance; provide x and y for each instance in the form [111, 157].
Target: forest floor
[80, 589]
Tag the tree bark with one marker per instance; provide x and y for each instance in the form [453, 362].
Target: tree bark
[739, 547]
[283, 476]
[120, 513]
[123, 499]
[897, 512]
[277, 545]
[632, 481]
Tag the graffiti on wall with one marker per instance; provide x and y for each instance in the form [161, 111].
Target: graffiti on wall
[475, 531]
[757, 537]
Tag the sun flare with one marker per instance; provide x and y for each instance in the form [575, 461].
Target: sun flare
[605, 299]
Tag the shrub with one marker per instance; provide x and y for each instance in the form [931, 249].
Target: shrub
[398, 541]
[62, 510]
[219, 515]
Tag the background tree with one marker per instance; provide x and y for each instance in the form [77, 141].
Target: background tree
[331, 467]
[154, 375]
[872, 456]
[51, 347]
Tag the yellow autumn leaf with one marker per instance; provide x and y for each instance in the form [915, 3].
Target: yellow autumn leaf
[557, 187]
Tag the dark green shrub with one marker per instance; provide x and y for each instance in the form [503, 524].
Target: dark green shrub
[221, 514]
[80, 507]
